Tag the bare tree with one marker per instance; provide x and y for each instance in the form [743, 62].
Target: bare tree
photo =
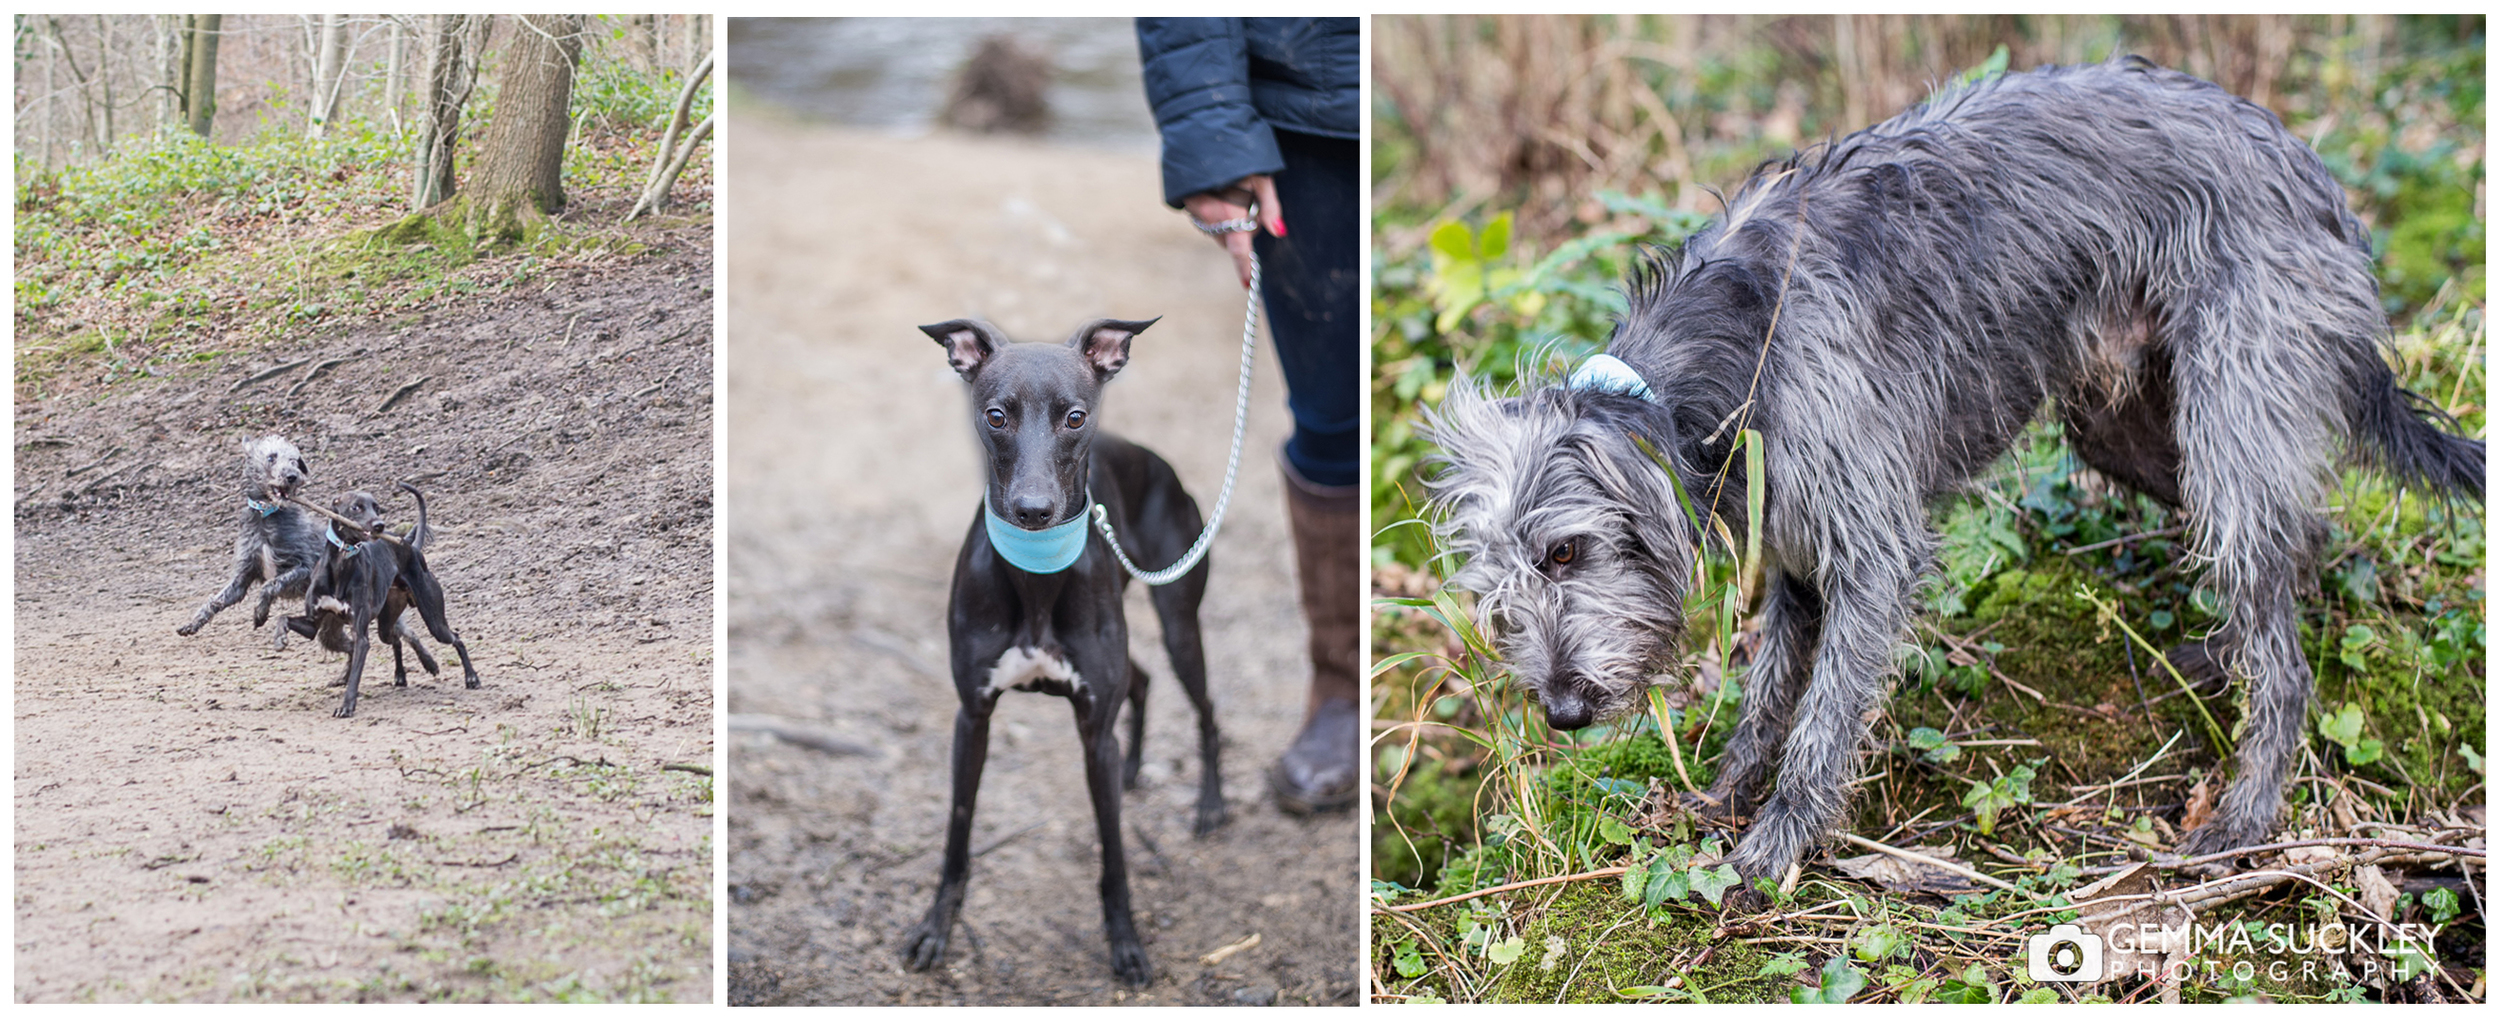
[104, 80]
[642, 42]
[199, 51]
[164, 28]
[672, 158]
[451, 73]
[329, 63]
[523, 165]
[394, 77]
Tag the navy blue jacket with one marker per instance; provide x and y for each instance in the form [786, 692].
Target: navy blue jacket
[1220, 87]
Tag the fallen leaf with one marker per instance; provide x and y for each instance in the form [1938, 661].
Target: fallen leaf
[1907, 877]
[2377, 894]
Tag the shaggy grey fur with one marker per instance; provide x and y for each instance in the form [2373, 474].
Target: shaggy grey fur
[280, 543]
[2161, 258]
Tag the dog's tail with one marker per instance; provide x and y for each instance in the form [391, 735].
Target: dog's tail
[2413, 440]
[423, 533]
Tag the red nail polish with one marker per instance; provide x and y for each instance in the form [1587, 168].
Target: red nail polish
[1280, 227]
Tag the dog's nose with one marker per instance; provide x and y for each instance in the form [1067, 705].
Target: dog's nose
[1567, 712]
[1033, 511]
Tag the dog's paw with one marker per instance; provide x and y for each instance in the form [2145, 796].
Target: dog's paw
[346, 710]
[1714, 804]
[472, 682]
[2221, 834]
[187, 629]
[1744, 899]
[1128, 961]
[1211, 815]
[924, 946]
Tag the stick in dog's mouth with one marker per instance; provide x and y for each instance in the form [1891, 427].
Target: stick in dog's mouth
[345, 522]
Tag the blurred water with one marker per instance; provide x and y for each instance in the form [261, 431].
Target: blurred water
[893, 73]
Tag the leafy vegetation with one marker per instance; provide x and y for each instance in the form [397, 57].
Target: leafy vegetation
[183, 250]
[2036, 731]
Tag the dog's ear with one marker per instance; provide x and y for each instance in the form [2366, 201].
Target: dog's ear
[969, 343]
[1104, 343]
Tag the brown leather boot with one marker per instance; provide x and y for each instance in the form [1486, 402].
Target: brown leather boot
[1321, 769]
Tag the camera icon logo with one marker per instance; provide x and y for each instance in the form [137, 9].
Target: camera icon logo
[2065, 954]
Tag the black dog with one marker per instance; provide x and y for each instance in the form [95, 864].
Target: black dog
[1050, 621]
[369, 576]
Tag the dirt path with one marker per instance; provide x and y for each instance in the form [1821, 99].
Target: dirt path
[853, 474]
[193, 824]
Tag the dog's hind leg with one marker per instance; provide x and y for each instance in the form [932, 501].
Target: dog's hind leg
[391, 630]
[1792, 619]
[1176, 606]
[1137, 679]
[2257, 454]
[424, 659]
[926, 943]
[427, 594]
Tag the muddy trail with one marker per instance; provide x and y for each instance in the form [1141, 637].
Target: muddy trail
[854, 475]
[193, 824]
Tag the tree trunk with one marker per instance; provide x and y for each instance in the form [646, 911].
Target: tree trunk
[642, 42]
[168, 70]
[104, 76]
[698, 36]
[450, 74]
[327, 66]
[522, 170]
[201, 94]
[395, 68]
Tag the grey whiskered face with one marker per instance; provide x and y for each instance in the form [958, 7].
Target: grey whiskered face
[272, 467]
[1569, 536]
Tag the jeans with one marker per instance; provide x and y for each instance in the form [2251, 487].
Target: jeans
[1311, 280]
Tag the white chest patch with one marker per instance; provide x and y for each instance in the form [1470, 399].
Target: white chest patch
[1023, 667]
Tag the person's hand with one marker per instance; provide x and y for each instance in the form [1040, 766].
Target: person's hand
[1212, 207]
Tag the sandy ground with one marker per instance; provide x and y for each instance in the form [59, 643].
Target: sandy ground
[192, 824]
[853, 473]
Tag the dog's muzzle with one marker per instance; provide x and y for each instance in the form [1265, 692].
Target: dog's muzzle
[1566, 710]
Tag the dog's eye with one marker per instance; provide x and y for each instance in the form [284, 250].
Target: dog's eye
[998, 417]
[1563, 553]
[1076, 419]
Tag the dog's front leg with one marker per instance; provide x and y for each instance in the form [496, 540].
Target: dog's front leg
[245, 571]
[1792, 620]
[363, 623]
[1096, 731]
[1866, 611]
[926, 943]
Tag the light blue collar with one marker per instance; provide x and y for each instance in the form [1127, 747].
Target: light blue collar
[332, 532]
[1608, 373]
[1047, 550]
[264, 509]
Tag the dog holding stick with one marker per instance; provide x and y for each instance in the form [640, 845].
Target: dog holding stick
[370, 576]
[279, 544]
[2161, 258]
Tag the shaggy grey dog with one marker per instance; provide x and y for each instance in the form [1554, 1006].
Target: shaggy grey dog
[279, 544]
[2161, 258]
